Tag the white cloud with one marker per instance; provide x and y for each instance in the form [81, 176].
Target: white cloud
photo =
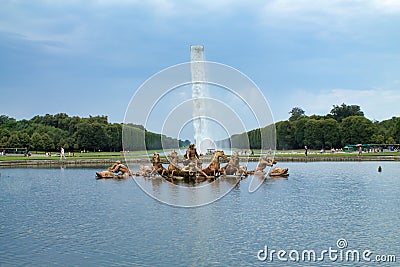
[326, 17]
[337, 8]
[288, 7]
[387, 6]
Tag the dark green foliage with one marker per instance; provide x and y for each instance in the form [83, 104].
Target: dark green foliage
[185, 143]
[285, 134]
[330, 128]
[344, 125]
[90, 136]
[48, 144]
[396, 131]
[390, 129]
[114, 132]
[296, 113]
[299, 127]
[5, 119]
[51, 132]
[254, 138]
[313, 133]
[344, 111]
[134, 138]
[36, 142]
[356, 129]
[240, 141]
[153, 141]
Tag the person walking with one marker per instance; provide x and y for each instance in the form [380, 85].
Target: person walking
[62, 153]
[306, 150]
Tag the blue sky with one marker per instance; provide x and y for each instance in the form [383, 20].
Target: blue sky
[88, 57]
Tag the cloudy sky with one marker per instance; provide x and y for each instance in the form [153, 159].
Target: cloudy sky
[89, 57]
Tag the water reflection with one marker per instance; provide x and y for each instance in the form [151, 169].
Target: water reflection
[184, 193]
[67, 217]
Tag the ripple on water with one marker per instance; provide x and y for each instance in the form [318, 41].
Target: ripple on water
[66, 217]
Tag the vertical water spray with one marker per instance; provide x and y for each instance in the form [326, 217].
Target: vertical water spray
[199, 92]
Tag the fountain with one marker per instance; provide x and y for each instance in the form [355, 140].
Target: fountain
[202, 137]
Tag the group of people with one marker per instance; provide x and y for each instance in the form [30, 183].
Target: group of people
[333, 150]
[245, 152]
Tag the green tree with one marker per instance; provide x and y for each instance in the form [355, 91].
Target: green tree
[76, 146]
[114, 134]
[313, 134]
[377, 139]
[185, 143]
[63, 143]
[356, 129]
[255, 138]
[153, 141]
[344, 111]
[4, 141]
[4, 133]
[73, 123]
[390, 141]
[100, 137]
[48, 144]
[240, 141]
[63, 121]
[36, 142]
[91, 136]
[13, 141]
[134, 138]
[387, 128]
[296, 113]
[97, 119]
[331, 133]
[299, 128]
[284, 135]
[396, 130]
[24, 139]
[83, 136]
[268, 137]
[5, 119]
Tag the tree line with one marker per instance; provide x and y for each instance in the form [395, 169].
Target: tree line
[345, 124]
[95, 133]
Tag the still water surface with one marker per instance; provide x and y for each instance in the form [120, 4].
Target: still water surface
[67, 217]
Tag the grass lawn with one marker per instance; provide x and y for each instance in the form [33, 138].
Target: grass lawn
[77, 156]
[143, 153]
[316, 153]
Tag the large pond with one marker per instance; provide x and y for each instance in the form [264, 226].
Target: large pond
[64, 216]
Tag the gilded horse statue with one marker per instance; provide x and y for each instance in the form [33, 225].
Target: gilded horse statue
[173, 167]
[262, 164]
[157, 165]
[279, 172]
[191, 170]
[144, 170]
[116, 171]
[214, 168]
[233, 167]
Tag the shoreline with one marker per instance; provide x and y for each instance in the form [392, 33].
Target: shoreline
[105, 162]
